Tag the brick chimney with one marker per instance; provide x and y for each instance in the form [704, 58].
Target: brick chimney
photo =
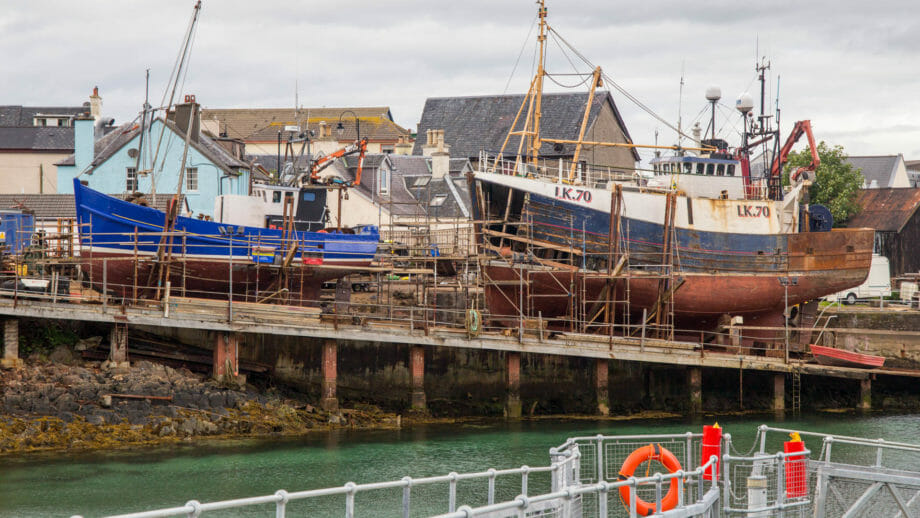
[440, 155]
[403, 145]
[180, 117]
[95, 104]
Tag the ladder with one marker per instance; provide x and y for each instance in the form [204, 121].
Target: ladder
[796, 391]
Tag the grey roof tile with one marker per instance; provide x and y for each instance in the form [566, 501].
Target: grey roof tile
[36, 138]
[481, 123]
[878, 168]
[52, 206]
[23, 115]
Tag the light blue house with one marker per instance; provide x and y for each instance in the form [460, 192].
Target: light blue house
[109, 163]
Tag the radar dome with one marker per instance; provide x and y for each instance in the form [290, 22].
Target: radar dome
[713, 93]
[745, 103]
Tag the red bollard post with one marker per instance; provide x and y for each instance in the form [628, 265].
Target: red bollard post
[796, 480]
[712, 445]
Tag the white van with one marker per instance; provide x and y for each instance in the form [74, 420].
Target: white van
[878, 283]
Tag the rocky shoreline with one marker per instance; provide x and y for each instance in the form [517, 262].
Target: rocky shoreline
[46, 406]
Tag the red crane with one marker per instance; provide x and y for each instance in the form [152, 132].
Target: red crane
[801, 127]
[359, 146]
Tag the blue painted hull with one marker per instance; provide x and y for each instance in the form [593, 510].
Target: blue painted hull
[720, 273]
[119, 241]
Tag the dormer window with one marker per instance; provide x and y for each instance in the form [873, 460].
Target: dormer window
[383, 184]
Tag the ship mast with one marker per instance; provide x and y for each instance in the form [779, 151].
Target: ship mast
[538, 86]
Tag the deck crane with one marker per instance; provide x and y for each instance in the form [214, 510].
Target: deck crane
[359, 146]
[776, 169]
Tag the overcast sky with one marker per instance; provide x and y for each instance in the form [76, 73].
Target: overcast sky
[850, 66]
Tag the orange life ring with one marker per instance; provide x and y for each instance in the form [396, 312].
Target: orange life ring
[648, 454]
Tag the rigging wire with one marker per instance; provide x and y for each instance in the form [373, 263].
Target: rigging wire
[520, 54]
[619, 88]
[184, 53]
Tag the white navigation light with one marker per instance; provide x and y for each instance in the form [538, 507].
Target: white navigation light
[745, 103]
[713, 93]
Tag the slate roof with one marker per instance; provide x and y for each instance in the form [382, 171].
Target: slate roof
[52, 206]
[472, 124]
[879, 168]
[886, 209]
[36, 138]
[11, 116]
[114, 140]
[407, 199]
[263, 124]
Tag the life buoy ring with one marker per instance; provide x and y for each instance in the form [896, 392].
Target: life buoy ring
[648, 454]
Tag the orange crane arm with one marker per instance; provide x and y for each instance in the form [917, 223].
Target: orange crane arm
[801, 127]
[360, 146]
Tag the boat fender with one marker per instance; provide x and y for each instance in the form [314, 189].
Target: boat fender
[473, 323]
[648, 454]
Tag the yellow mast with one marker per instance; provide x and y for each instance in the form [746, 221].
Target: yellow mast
[584, 121]
[538, 86]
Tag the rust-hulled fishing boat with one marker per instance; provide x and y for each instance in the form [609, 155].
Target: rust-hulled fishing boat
[700, 237]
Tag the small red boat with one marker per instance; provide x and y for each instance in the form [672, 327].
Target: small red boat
[841, 358]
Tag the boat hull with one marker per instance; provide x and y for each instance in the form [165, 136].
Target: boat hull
[720, 264]
[840, 358]
[121, 244]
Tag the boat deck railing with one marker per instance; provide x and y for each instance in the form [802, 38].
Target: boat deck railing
[559, 170]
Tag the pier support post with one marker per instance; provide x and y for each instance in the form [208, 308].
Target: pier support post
[329, 402]
[601, 384]
[779, 393]
[226, 359]
[513, 368]
[865, 394]
[10, 358]
[118, 346]
[417, 373]
[695, 382]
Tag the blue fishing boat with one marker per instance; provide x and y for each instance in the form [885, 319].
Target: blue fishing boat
[125, 251]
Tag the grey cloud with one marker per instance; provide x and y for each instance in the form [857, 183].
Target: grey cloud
[846, 65]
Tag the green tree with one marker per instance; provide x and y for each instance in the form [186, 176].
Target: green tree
[837, 183]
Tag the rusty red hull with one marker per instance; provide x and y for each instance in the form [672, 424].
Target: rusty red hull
[818, 264]
[126, 276]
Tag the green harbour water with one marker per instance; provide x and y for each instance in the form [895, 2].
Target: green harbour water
[101, 483]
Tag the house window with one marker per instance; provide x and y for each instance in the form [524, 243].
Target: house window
[276, 196]
[191, 178]
[387, 150]
[131, 179]
[384, 185]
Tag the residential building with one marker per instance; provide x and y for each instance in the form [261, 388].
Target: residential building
[411, 198]
[114, 164]
[913, 172]
[266, 130]
[33, 139]
[481, 123]
[879, 172]
[892, 212]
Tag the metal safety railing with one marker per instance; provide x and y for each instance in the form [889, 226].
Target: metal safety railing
[565, 498]
[561, 473]
[587, 475]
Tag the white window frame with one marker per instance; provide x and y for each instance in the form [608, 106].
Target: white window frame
[131, 176]
[191, 186]
[383, 181]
